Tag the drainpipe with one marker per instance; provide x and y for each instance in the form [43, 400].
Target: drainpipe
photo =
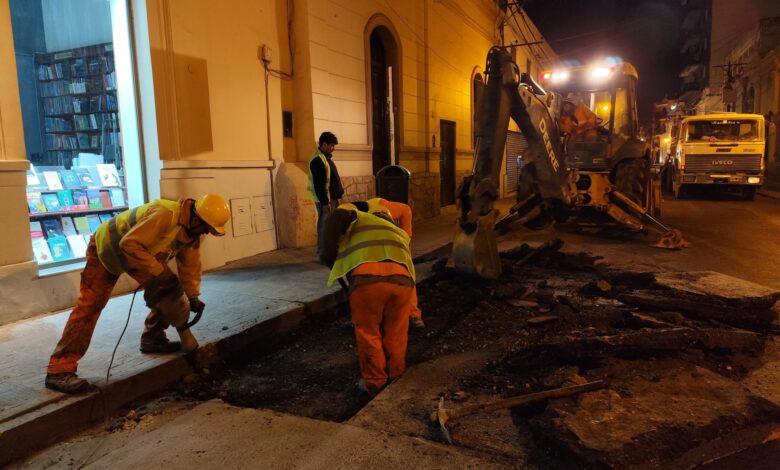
[426, 71]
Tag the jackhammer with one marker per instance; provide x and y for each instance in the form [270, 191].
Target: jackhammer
[165, 295]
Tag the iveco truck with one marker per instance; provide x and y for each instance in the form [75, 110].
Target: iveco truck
[724, 149]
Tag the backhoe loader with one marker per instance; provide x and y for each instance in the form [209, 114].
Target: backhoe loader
[583, 156]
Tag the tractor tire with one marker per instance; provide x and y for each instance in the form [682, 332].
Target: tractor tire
[631, 179]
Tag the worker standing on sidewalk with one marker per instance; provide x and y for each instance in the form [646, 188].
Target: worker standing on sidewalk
[325, 186]
[374, 254]
[402, 216]
[140, 242]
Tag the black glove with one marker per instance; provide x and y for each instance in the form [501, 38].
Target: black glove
[197, 305]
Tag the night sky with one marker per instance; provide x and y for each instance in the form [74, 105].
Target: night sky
[643, 32]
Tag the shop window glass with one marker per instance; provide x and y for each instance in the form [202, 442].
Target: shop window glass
[72, 59]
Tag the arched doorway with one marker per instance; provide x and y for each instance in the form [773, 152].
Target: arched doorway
[384, 97]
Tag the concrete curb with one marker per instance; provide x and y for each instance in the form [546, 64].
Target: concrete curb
[769, 193]
[53, 421]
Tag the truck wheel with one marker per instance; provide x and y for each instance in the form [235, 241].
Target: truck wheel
[748, 193]
[681, 192]
[631, 179]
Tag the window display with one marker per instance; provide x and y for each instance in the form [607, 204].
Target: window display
[68, 84]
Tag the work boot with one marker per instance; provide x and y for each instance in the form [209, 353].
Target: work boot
[159, 344]
[66, 382]
[417, 322]
[370, 391]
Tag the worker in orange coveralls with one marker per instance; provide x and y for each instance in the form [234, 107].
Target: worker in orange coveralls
[578, 120]
[374, 255]
[402, 216]
[138, 241]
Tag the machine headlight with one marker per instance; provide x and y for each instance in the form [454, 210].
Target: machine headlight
[599, 72]
[754, 180]
[560, 76]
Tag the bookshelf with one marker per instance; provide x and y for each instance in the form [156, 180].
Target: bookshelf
[77, 183]
[78, 103]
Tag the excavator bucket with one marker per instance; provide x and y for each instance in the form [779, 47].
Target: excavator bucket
[477, 252]
[672, 240]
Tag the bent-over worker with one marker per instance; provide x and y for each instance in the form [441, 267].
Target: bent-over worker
[140, 242]
[402, 216]
[373, 253]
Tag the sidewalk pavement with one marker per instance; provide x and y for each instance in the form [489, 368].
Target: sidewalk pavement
[260, 297]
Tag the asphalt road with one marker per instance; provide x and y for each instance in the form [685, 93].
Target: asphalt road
[734, 237]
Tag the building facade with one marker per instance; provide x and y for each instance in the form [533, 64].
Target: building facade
[175, 98]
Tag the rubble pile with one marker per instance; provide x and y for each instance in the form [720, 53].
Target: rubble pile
[689, 361]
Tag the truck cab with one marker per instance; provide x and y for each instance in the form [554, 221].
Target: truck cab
[724, 149]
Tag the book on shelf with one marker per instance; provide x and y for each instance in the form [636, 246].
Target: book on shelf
[117, 197]
[32, 177]
[94, 222]
[93, 195]
[52, 180]
[51, 227]
[86, 178]
[36, 230]
[68, 227]
[104, 216]
[109, 176]
[105, 198]
[66, 199]
[35, 203]
[70, 180]
[77, 245]
[52, 202]
[41, 251]
[82, 225]
[80, 200]
[60, 250]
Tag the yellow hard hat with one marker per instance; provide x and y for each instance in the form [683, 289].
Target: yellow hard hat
[213, 209]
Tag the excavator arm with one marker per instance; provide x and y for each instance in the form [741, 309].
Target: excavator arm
[508, 94]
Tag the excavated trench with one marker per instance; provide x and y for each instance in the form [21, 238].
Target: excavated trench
[691, 373]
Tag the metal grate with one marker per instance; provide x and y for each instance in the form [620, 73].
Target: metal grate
[725, 164]
[515, 146]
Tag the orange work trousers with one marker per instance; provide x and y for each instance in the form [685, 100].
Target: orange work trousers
[380, 312]
[95, 291]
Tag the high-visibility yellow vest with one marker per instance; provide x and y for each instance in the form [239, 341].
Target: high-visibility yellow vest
[371, 239]
[324, 159]
[110, 233]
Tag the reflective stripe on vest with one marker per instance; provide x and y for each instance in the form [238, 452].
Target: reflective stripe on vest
[371, 239]
[109, 235]
[310, 186]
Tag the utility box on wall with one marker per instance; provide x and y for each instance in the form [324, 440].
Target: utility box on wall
[247, 188]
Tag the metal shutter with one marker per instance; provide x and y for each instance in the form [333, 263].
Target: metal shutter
[515, 146]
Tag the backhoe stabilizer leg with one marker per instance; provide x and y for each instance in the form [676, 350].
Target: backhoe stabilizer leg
[635, 216]
[476, 251]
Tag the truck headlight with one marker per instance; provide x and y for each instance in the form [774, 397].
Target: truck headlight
[754, 180]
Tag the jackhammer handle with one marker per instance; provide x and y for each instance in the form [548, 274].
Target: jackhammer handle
[526, 399]
[195, 320]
